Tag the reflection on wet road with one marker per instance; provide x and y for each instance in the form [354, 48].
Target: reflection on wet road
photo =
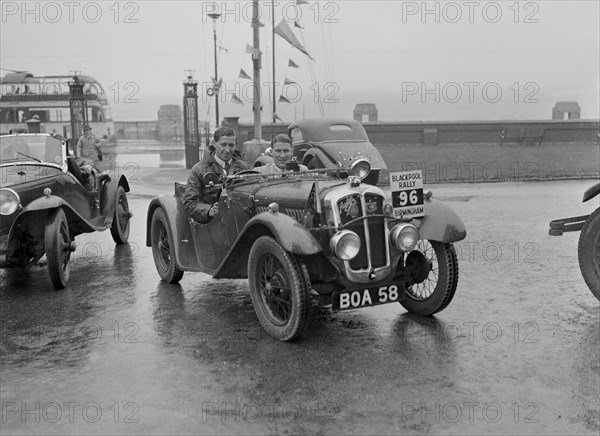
[120, 352]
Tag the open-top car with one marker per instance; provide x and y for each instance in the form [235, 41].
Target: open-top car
[307, 239]
[332, 142]
[589, 240]
[44, 204]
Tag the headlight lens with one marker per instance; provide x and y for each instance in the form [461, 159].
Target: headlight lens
[404, 237]
[360, 168]
[9, 201]
[345, 244]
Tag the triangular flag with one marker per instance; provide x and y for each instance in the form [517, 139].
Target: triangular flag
[277, 117]
[249, 49]
[283, 30]
[256, 24]
[243, 75]
[293, 64]
[296, 24]
[287, 81]
[282, 99]
[235, 99]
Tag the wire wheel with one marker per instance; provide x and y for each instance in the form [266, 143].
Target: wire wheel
[589, 252]
[163, 250]
[119, 228]
[280, 289]
[59, 246]
[439, 280]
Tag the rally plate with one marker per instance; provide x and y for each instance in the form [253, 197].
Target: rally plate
[375, 296]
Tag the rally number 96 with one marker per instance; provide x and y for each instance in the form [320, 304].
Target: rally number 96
[406, 197]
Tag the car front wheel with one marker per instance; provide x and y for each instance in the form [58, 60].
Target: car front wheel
[436, 274]
[163, 249]
[589, 252]
[280, 289]
[59, 246]
[119, 228]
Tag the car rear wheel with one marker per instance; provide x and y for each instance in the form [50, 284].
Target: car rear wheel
[436, 268]
[589, 252]
[120, 224]
[163, 249]
[59, 246]
[280, 289]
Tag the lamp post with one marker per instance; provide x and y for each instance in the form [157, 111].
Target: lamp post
[216, 83]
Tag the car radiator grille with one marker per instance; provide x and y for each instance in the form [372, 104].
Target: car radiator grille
[356, 206]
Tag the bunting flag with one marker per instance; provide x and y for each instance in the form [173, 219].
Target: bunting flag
[243, 75]
[277, 117]
[282, 99]
[249, 49]
[283, 30]
[296, 24]
[256, 24]
[287, 81]
[235, 99]
[293, 64]
[215, 84]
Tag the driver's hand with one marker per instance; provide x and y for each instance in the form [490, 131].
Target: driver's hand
[213, 210]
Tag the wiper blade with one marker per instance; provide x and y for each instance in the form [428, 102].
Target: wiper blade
[31, 157]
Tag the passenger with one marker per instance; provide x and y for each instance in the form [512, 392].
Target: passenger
[201, 201]
[88, 154]
[281, 149]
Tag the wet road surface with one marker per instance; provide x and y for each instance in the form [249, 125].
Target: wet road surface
[120, 352]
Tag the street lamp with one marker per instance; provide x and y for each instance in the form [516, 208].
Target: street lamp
[216, 83]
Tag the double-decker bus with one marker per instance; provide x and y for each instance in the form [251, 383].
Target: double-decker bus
[23, 95]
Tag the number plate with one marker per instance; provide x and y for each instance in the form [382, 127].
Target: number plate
[367, 297]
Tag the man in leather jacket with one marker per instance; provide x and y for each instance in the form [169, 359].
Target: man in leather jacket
[201, 200]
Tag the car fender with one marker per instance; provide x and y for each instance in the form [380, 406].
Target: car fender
[591, 192]
[178, 224]
[50, 203]
[288, 232]
[441, 223]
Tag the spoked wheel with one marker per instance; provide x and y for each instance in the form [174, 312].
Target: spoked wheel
[163, 250]
[589, 252]
[59, 247]
[120, 225]
[436, 277]
[280, 289]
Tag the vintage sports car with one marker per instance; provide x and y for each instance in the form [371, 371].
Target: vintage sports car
[588, 249]
[311, 239]
[44, 204]
[330, 143]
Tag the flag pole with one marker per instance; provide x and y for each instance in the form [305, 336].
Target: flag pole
[256, 68]
[273, 35]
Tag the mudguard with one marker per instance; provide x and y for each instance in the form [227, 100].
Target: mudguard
[290, 234]
[177, 220]
[591, 192]
[441, 223]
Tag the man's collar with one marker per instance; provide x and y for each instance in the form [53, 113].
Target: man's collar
[222, 162]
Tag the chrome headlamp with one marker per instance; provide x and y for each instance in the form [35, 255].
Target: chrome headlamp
[404, 237]
[359, 168]
[345, 244]
[9, 201]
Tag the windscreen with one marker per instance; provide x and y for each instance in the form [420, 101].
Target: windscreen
[17, 148]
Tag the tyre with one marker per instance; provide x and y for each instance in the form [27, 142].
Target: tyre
[163, 249]
[59, 245]
[280, 289]
[120, 224]
[436, 290]
[588, 252]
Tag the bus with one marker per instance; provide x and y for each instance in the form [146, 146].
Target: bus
[23, 95]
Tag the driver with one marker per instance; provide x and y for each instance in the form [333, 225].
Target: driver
[201, 201]
[281, 149]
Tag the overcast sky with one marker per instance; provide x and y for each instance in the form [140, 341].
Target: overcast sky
[445, 61]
